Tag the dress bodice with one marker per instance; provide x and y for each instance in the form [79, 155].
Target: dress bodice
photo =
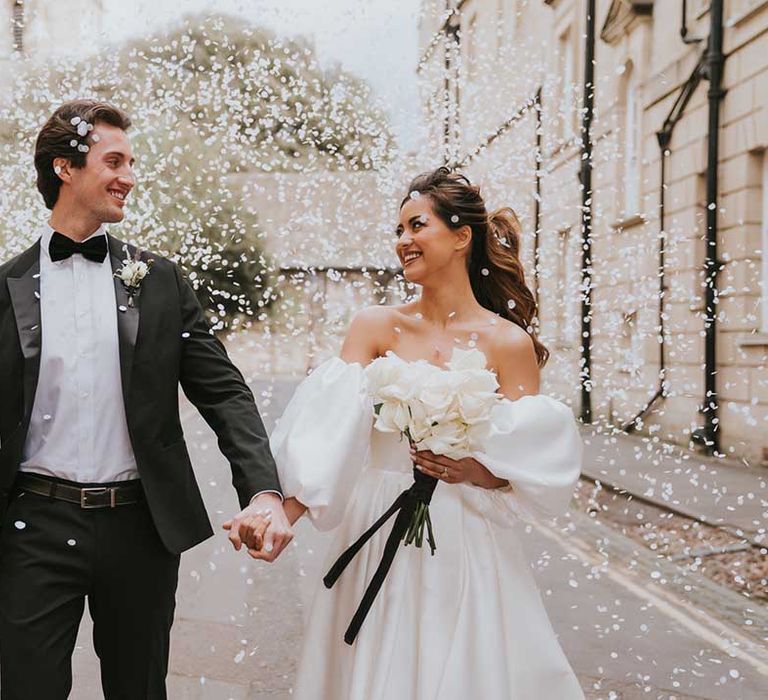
[389, 452]
[326, 439]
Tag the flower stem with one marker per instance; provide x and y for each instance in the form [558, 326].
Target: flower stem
[430, 534]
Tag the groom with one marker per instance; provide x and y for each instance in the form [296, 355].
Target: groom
[97, 494]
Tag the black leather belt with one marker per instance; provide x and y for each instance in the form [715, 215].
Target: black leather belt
[85, 497]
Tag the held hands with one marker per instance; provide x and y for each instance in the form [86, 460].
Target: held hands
[262, 527]
[455, 471]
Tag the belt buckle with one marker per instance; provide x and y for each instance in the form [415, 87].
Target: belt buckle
[97, 490]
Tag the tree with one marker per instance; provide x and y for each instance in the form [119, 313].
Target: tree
[211, 98]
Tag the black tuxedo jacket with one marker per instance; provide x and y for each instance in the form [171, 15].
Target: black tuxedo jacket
[164, 341]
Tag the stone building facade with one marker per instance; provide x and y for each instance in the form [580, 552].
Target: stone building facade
[503, 87]
[329, 237]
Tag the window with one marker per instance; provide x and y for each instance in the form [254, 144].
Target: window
[630, 344]
[567, 314]
[500, 27]
[630, 143]
[567, 89]
[18, 26]
[470, 37]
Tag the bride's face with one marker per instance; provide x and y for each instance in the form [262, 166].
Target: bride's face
[425, 244]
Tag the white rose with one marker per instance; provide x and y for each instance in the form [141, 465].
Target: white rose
[478, 434]
[389, 379]
[437, 394]
[141, 269]
[448, 438]
[467, 360]
[126, 274]
[420, 423]
[476, 408]
[479, 381]
[393, 417]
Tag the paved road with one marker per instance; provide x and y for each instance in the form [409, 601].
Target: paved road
[631, 626]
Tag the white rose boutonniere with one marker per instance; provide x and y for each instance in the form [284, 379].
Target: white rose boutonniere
[132, 273]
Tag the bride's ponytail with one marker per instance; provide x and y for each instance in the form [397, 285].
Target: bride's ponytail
[502, 288]
[495, 269]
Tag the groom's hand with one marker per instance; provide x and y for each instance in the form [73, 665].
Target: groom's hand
[262, 527]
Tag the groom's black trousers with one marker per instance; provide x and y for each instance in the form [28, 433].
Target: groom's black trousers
[54, 554]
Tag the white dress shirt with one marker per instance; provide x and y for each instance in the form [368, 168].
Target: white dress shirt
[78, 429]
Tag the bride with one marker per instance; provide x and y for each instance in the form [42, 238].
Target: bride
[467, 622]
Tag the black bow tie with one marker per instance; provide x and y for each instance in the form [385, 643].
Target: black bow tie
[61, 248]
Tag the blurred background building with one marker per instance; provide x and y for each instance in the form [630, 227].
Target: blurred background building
[38, 30]
[330, 237]
[644, 205]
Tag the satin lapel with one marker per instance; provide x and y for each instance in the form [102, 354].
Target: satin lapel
[24, 291]
[127, 315]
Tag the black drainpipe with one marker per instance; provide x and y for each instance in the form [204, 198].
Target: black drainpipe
[709, 66]
[585, 177]
[708, 436]
[684, 28]
[447, 127]
[537, 207]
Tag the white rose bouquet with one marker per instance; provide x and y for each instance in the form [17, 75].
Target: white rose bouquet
[447, 411]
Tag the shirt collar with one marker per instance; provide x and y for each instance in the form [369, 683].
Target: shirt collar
[47, 232]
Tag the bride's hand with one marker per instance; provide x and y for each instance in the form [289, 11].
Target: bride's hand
[455, 471]
[294, 509]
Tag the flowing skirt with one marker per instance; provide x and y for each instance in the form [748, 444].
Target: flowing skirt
[466, 623]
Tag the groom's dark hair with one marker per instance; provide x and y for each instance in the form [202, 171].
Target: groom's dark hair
[59, 138]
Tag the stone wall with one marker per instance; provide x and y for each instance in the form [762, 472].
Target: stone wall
[506, 50]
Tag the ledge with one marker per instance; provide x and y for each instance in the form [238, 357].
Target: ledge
[629, 221]
[740, 17]
[755, 341]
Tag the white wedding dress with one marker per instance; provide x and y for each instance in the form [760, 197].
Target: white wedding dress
[463, 624]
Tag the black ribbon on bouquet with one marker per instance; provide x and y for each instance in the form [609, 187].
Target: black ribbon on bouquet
[406, 503]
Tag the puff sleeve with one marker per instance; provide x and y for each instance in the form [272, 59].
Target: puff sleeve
[321, 443]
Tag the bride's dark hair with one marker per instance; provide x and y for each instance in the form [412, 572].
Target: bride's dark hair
[495, 247]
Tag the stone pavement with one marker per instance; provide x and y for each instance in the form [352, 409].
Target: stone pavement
[622, 616]
[719, 492]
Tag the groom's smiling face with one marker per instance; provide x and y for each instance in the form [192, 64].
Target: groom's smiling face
[103, 185]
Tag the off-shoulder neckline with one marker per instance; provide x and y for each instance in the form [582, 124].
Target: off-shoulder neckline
[445, 369]
[392, 353]
[420, 361]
